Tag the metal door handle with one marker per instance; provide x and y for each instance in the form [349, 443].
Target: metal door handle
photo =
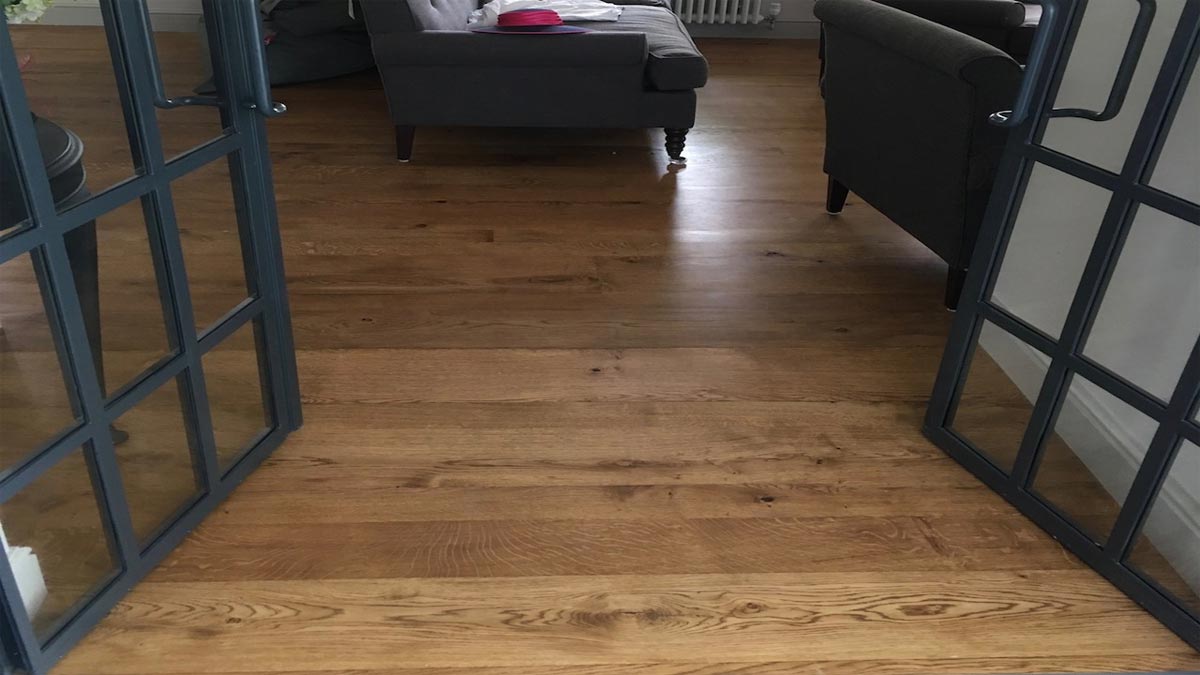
[1051, 14]
[1129, 62]
[260, 80]
[161, 100]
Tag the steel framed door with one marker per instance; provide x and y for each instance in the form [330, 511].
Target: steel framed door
[89, 463]
[1071, 379]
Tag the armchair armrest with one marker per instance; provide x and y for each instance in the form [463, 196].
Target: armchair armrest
[464, 48]
[977, 13]
[928, 43]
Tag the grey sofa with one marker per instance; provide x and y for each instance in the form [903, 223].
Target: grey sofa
[638, 72]
[907, 103]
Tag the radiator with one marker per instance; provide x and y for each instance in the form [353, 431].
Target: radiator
[718, 11]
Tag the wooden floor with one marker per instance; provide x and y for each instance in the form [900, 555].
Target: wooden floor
[568, 411]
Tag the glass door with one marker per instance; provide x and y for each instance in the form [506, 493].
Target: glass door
[146, 359]
[1071, 379]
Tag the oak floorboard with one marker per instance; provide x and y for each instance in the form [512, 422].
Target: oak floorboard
[587, 622]
[567, 411]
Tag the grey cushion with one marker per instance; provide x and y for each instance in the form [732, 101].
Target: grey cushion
[386, 16]
[675, 63]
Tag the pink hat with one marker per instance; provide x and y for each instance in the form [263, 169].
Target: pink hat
[530, 22]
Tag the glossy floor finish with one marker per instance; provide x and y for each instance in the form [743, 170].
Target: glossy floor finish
[568, 411]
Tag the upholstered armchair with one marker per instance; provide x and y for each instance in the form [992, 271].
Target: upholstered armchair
[907, 103]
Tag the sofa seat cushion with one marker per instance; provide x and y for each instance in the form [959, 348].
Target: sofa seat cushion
[674, 63]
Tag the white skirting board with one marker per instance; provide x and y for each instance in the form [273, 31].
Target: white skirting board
[782, 30]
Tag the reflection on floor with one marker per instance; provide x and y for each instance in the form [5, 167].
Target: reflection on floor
[566, 411]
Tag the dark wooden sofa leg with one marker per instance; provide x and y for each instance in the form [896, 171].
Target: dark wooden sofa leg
[675, 142]
[954, 286]
[404, 142]
[835, 196]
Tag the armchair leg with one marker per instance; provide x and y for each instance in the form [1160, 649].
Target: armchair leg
[404, 142]
[955, 280]
[675, 142]
[835, 196]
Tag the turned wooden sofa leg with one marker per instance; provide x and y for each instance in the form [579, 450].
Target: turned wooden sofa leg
[675, 143]
[404, 142]
[955, 280]
[835, 196]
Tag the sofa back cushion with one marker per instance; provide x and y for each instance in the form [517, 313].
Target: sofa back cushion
[391, 16]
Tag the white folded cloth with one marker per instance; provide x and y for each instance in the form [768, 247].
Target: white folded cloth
[569, 10]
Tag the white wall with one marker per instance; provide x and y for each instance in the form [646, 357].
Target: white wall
[1150, 316]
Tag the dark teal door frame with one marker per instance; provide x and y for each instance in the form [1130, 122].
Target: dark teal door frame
[244, 100]
[1174, 414]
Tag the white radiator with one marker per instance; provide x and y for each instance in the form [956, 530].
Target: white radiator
[718, 11]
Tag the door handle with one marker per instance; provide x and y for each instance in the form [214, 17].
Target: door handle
[1129, 62]
[260, 80]
[161, 100]
[1051, 14]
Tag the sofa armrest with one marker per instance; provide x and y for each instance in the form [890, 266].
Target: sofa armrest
[977, 13]
[465, 48]
[931, 44]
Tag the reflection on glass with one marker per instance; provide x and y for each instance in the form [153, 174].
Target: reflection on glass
[93, 113]
[1049, 248]
[1089, 75]
[183, 58]
[155, 457]
[124, 287]
[240, 411]
[56, 543]
[34, 405]
[1168, 549]
[1178, 167]
[212, 247]
[13, 215]
[1149, 318]
[996, 402]
[1090, 460]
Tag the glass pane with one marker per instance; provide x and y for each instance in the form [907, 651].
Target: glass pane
[1149, 318]
[56, 543]
[117, 281]
[1178, 168]
[1051, 239]
[34, 406]
[1088, 79]
[1168, 549]
[212, 248]
[240, 411]
[74, 91]
[156, 460]
[181, 44]
[1090, 460]
[13, 214]
[997, 400]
